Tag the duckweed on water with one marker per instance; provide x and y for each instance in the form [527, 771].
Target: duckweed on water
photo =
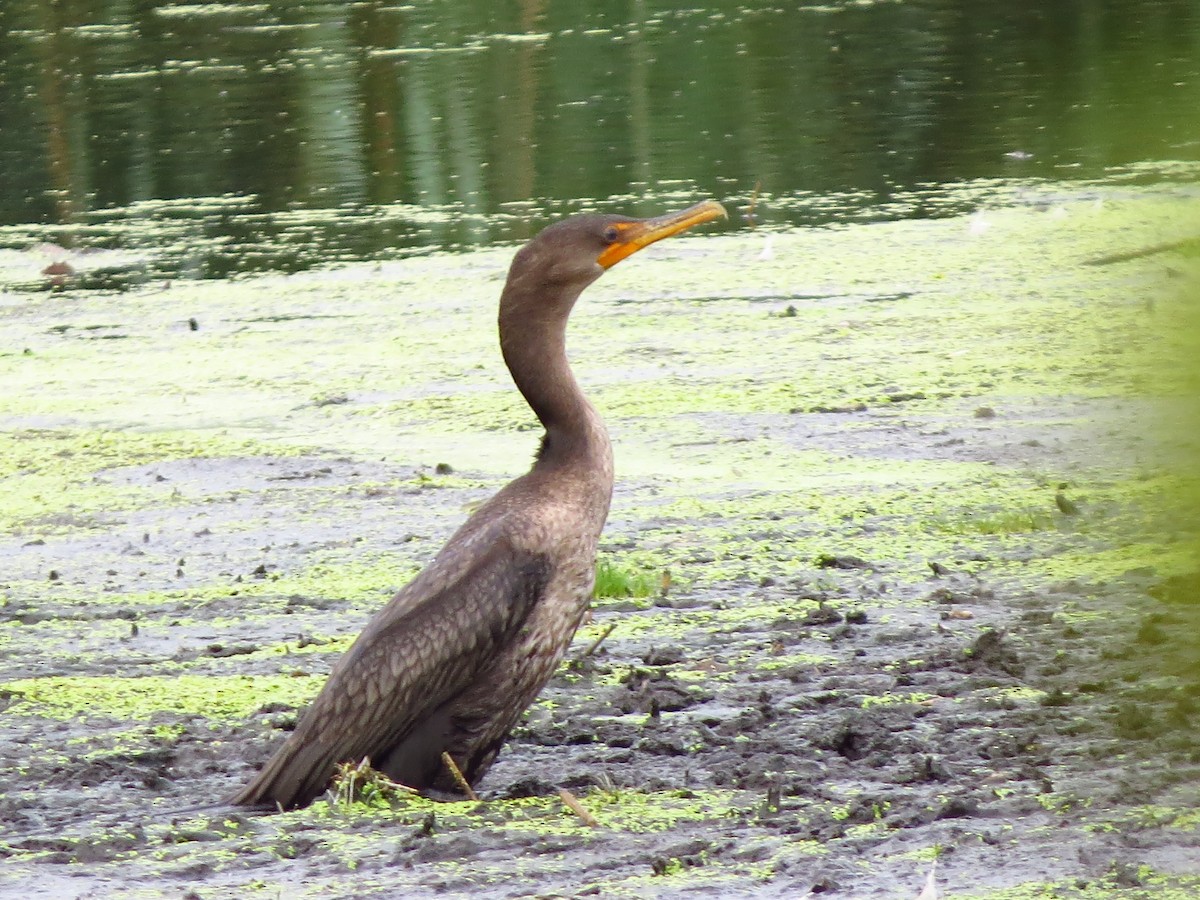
[1148, 883]
[676, 624]
[231, 697]
[1185, 820]
[634, 812]
[49, 477]
[354, 577]
[900, 699]
[1011, 521]
[793, 660]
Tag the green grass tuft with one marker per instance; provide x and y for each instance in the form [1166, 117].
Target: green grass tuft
[1008, 521]
[614, 580]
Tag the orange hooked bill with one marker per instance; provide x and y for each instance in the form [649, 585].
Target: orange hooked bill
[633, 236]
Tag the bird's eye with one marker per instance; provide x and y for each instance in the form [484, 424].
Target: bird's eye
[610, 234]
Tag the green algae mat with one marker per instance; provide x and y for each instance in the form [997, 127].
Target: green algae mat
[901, 565]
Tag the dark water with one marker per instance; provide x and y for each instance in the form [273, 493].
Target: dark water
[204, 139]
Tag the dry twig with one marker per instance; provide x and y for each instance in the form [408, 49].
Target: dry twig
[576, 807]
[750, 219]
[456, 773]
[595, 645]
[664, 583]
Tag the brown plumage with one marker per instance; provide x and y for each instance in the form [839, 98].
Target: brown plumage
[451, 662]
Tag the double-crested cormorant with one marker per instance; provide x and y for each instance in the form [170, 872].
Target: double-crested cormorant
[458, 654]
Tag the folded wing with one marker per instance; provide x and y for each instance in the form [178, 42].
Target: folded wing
[389, 695]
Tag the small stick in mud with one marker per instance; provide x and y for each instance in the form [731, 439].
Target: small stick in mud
[457, 775]
[749, 216]
[572, 803]
[595, 645]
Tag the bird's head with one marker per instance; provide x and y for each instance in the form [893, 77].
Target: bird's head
[568, 256]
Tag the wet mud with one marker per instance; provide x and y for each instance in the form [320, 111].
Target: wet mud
[894, 614]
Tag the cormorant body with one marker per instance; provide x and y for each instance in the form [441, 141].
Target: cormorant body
[455, 658]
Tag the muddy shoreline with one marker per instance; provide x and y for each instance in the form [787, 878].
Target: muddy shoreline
[916, 606]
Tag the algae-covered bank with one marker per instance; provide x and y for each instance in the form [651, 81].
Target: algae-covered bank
[901, 565]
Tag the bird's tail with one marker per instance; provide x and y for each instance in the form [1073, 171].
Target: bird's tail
[295, 776]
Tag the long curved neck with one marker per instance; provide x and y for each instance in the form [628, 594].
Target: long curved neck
[533, 342]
